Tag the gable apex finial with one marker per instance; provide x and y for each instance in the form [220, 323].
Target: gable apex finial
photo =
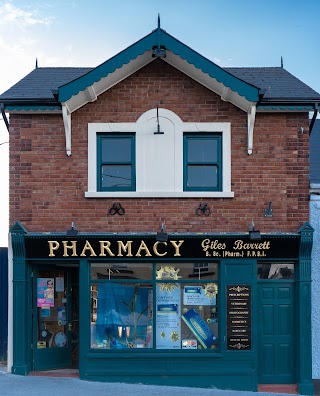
[158, 21]
[36, 63]
[281, 61]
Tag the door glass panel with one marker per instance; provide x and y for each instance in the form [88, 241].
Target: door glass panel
[276, 270]
[52, 310]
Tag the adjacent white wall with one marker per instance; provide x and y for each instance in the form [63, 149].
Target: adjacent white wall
[315, 275]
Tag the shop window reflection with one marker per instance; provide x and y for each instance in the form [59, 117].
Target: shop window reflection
[122, 317]
[275, 270]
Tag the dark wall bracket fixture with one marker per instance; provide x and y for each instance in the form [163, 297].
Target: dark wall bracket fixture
[203, 209]
[116, 209]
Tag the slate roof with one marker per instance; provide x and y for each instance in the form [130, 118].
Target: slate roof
[278, 83]
[315, 153]
[38, 84]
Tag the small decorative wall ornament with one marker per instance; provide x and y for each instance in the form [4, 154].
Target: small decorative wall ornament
[203, 209]
[210, 290]
[116, 209]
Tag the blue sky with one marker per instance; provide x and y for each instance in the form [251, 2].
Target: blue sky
[86, 33]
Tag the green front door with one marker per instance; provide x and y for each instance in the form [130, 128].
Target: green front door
[276, 332]
[52, 319]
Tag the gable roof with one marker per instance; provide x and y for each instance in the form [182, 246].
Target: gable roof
[77, 86]
[141, 53]
[68, 89]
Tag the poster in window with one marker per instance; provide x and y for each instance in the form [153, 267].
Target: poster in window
[45, 292]
[198, 295]
[168, 307]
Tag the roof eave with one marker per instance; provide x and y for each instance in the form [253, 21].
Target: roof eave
[140, 54]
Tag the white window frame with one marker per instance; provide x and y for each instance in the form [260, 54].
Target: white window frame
[179, 128]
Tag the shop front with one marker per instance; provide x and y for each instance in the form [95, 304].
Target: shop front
[199, 310]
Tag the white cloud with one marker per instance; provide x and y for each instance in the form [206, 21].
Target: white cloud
[10, 14]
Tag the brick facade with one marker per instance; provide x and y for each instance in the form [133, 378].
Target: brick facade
[47, 187]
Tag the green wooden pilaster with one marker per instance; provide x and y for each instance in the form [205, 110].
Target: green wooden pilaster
[84, 314]
[21, 346]
[304, 358]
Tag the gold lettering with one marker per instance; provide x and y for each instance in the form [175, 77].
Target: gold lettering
[214, 245]
[205, 244]
[53, 245]
[143, 246]
[124, 247]
[155, 249]
[177, 247]
[66, 247]
[87, 246]
[105, 245]
[239, 245]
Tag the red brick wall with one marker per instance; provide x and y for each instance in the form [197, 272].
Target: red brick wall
[47, 187]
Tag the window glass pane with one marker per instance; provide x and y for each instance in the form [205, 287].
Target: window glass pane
[276, 270]
[186, 316]
[114, 176]
[121, 315]
[116, 150]
[202, 150]
[121, 270]
[202, 176]
[185, 271]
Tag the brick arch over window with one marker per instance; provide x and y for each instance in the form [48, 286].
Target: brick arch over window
[159, 157]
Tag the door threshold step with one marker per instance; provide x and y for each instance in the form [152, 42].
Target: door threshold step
[291, 389]
[63, 373]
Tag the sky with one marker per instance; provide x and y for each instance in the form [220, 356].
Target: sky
[231, 33]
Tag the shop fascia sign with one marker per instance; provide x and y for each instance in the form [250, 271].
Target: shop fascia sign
[148, 247]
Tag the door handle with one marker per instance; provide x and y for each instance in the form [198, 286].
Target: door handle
[70, 326]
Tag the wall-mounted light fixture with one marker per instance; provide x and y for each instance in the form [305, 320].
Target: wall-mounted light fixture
[268, 211]
[158, 124]
[162, 236]
[73, 231]
[254, 235]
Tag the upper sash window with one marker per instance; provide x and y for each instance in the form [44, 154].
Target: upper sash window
[116, 162]
[202, 162]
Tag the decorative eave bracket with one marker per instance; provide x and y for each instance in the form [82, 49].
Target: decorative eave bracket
[251, 120]
[67, 127]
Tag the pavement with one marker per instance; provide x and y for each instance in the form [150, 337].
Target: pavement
[16, 385]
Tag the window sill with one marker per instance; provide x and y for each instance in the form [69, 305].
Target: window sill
[159, 194]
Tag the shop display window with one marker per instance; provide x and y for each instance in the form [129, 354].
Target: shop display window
[148, 306]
